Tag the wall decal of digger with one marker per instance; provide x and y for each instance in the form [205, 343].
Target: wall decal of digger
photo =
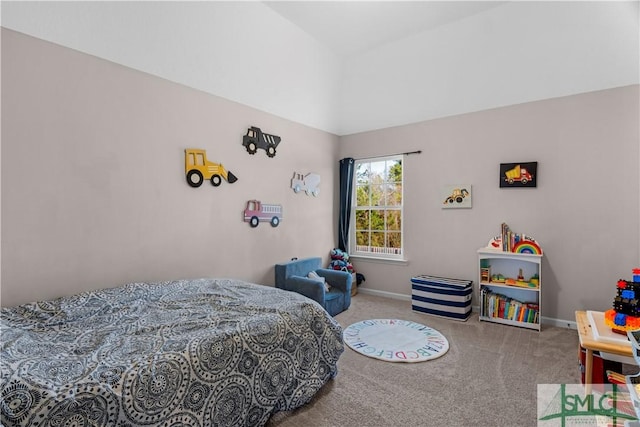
[255, 139]
[198, 168]
[456, 196]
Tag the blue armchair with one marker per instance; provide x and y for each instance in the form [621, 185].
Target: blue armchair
[292, 276]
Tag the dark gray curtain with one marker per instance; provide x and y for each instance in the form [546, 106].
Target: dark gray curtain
[346, 187]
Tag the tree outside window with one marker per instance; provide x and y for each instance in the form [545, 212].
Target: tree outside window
[377, 208]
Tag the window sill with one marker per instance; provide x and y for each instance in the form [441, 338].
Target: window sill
[378, 260]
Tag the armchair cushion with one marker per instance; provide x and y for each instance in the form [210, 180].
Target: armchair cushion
[293, 276]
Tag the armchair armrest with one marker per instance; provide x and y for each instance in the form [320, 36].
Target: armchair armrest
[340, 280]
[309, 288]
[337, 279]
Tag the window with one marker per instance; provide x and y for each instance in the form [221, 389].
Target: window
[376, 210]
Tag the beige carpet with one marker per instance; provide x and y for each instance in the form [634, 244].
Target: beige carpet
[487, 378]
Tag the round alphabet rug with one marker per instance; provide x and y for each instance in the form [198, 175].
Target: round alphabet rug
[395, 340]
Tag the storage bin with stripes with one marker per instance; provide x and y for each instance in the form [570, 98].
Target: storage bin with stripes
[442, 296]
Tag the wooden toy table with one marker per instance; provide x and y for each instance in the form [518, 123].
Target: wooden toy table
[590, 344]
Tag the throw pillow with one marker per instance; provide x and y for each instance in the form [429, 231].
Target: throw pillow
[314, 276]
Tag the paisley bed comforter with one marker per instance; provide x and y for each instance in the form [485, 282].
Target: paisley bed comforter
[206, 352]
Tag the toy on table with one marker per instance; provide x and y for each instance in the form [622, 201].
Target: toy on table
[625, 314]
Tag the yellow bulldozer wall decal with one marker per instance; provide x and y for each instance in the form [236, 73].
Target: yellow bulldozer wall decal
[197, 168]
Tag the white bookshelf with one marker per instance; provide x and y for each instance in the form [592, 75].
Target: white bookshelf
[509, 265]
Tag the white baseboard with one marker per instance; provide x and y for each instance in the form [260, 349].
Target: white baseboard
[560, 323]
[385, 294]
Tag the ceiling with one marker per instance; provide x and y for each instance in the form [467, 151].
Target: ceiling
[349, 28]
[353, 66]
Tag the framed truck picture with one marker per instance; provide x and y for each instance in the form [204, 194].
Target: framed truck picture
[518, 175]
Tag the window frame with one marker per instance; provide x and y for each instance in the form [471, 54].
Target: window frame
[354, 208]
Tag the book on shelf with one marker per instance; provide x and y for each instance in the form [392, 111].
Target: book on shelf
[511, 239]
[500, 306]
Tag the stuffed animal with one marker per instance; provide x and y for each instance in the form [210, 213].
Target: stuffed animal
[339, 255]
[340, 261]
[337, 264]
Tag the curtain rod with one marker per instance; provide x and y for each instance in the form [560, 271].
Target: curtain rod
[396, 154]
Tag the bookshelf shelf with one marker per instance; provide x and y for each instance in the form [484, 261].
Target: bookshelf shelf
[527, 325]
[502, 285]
[510, 287]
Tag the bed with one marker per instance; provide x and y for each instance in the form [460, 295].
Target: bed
[205, 352]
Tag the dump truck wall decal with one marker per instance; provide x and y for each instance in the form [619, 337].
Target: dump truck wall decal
[255, 139]
[523, 174]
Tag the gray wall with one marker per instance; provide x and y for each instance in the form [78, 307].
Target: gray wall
[584, 211]
[93, 189]
[93, 185]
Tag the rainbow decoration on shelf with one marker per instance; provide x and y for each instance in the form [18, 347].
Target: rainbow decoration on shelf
[527, 247]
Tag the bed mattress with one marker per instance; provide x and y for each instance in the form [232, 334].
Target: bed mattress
[205, 352]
